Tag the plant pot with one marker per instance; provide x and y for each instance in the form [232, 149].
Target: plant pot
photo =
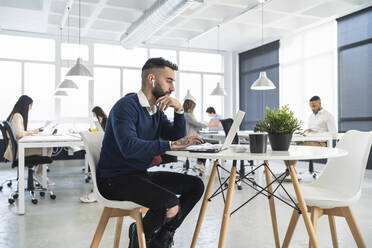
[257, 142]
[280, 142]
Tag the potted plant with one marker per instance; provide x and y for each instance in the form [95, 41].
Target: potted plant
[280, 124]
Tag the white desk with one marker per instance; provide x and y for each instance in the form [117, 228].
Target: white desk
[289, 157]
[321, 137]
[39, 141]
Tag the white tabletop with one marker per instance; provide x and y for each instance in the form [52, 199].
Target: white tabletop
[294, 153]
[49, 138]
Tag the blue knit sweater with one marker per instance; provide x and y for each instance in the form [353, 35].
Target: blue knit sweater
[132, 137]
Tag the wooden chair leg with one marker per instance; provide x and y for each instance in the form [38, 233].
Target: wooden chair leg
[140, 232]
[119, 224]
[315, 215]
[353, 226]
[101, 227]
[291, 228]
[332, 226]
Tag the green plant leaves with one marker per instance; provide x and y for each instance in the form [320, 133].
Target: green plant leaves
[279, 121]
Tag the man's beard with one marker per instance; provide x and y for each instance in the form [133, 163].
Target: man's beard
[158, 92]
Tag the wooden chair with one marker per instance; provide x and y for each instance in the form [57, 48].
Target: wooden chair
[119, 209]
[337, 187]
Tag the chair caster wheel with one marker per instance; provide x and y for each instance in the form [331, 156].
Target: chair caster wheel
[15, 196]
[240, 187]
[42, 194]
[226, 185]
[171, 166]
[9, 184]
[34, 201]
[87, 180]
[83, 169]
[1, 188]
[53, 197]
[314, 176]
[48, 170]
[11, 200]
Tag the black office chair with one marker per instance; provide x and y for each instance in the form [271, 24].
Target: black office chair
[186, 169]
[226, 124]
[30, 163]
[4, 144]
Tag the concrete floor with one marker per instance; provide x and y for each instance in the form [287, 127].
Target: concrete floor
[65, 222]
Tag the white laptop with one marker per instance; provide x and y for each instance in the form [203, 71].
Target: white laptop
[214, 148]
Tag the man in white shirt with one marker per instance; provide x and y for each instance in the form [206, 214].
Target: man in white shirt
[320, 121]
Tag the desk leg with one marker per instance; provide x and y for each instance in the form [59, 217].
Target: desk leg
[272, 206]
[204, 204]
[227, 209]
[44, 173]
[21, 179]
[301, 203]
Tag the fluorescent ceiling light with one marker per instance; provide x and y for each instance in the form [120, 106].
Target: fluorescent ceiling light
[160, 13]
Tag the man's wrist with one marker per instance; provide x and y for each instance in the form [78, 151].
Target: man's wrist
[179, 110]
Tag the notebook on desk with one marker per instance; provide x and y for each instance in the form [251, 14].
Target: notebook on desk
[215, 148]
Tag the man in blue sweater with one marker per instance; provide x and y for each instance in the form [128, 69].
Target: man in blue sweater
[137, 130]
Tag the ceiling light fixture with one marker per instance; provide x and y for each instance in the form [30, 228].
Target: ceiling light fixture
[263, 82]
[159, 14]
[79, 71]
[218, 91]
[60, 93]
[189, 96]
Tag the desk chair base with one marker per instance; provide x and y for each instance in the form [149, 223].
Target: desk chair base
[8, 182]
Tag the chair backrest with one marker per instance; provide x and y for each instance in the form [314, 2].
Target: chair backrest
[345, 174]
[5, 140]
[13, 141]
[93, 145]
[226, 124]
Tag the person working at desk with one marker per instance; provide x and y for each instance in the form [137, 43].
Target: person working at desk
[18, 119]
[193, 126]
[214, 117]
[131, 141]
[320, 121]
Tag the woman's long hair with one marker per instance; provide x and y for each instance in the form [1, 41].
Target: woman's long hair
[189, 106]
[99, 112]
[21, 107]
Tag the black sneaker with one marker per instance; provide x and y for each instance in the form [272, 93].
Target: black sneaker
[163, 239]
[133, 239]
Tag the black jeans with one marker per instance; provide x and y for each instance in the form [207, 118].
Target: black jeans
[157, 191]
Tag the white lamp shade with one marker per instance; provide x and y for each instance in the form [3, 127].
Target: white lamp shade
[218, 91]
[79, 71]
[67, 84]
[60, 93]
[189, 96]
[263, 83]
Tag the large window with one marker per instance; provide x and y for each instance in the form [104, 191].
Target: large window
[106, 87]
[170, 55]
[308, 67]
[193, 61]
[131, 81]
[39, 85]
[74, 51]
[76, 103]
[10, 86]
[119, 56]
[192, 82]
[18, 47]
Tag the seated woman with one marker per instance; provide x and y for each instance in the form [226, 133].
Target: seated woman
[18, 118]
[193, 126]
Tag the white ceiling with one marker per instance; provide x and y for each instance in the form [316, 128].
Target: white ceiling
[239, 20]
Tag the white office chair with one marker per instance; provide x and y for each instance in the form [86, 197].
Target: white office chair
[337, 187]
[93, 145]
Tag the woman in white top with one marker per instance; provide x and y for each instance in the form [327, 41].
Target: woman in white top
[18, 118]
[193, 126]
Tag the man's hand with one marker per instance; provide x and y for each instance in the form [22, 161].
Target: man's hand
[185, 142]
[309, 130]
[166, 101]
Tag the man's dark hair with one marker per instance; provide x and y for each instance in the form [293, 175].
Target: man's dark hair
[315, 98]
[153, 63]
[210, 110]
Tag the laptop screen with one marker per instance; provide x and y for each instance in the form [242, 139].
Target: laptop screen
[234, 128]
